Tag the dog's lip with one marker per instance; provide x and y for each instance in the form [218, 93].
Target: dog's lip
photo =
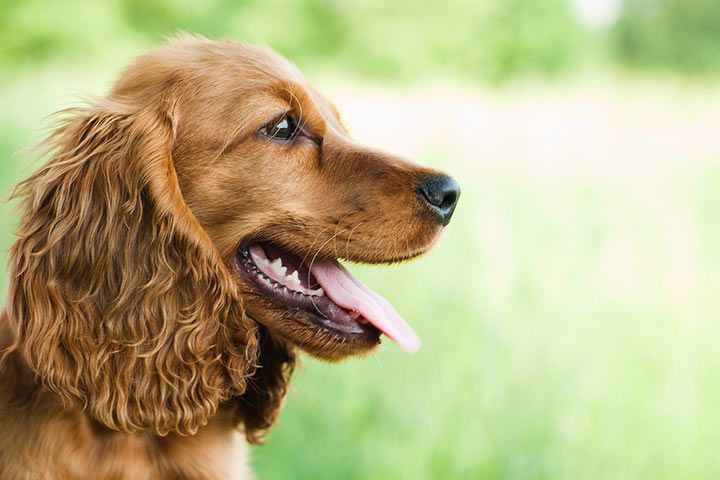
[323, 313]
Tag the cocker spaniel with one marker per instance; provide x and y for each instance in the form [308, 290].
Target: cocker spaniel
[175, 253]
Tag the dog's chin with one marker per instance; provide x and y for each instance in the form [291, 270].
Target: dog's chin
[311, 333]
[311, 302]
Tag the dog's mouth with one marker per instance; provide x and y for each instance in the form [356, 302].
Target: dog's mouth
[325, 291]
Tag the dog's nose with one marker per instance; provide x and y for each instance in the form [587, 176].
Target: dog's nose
[441, 194]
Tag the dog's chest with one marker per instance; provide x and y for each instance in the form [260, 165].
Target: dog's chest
[216, 452]
[207, 456]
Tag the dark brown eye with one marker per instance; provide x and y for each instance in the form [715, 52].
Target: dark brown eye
[284, 129]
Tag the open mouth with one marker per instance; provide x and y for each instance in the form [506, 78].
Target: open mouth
[331, 297]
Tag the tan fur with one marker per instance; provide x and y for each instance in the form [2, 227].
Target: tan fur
[132, 350]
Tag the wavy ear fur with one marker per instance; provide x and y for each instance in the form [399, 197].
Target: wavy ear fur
[117, 298]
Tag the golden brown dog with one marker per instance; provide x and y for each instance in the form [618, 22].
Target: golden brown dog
[177, 248]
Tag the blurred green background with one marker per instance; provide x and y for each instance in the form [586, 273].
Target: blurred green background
[570, 314]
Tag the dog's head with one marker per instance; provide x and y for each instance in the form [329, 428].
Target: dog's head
[185, 237]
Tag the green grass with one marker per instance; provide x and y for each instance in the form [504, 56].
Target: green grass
[569, 317]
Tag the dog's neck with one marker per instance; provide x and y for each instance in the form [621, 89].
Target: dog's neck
[42, 439]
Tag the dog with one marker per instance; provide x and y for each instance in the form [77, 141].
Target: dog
[177, 251]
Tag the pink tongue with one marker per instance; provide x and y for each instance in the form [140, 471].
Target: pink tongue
[347, 292]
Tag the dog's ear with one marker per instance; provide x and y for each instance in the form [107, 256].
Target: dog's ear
[259, 407]
[118, 299]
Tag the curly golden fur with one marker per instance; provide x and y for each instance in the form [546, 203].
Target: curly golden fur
[131, 348]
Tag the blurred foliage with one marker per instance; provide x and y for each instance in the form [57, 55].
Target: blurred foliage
[681, 35]
[490, 40]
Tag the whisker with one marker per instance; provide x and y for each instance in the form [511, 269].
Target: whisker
[347, 243]
[301, 122]
[377, 359]
[231, 138]
[312, 262]
[336, 232]
[303, 262]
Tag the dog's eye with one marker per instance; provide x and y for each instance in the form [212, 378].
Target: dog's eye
[284, 129]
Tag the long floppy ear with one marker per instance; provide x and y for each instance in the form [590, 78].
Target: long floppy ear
[118, 299]
[259, 407]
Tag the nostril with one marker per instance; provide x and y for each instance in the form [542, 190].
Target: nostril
[449, 200]
[440, 193]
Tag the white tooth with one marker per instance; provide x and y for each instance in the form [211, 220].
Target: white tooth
[319, 292]
[294, 279]
[278, 267]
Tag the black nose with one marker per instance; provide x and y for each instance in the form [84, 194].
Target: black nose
[441, 194]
